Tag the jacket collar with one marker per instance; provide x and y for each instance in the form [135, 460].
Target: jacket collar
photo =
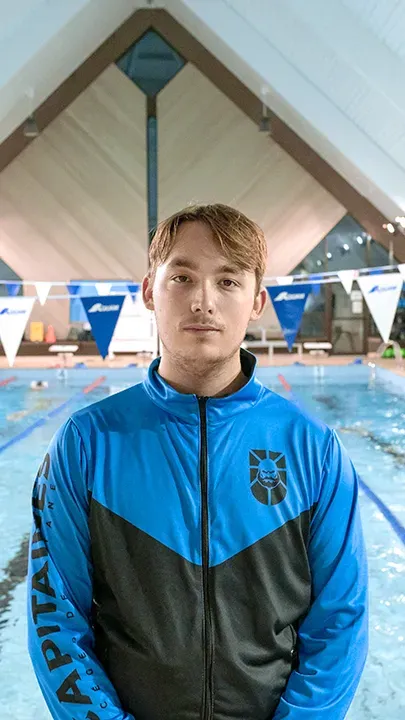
[185, 406]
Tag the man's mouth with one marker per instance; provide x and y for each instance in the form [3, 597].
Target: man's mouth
[201, 328]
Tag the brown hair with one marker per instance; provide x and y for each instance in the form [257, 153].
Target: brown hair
[239, 238]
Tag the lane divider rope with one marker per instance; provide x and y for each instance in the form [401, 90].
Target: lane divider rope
[41, 421]
[7, 381]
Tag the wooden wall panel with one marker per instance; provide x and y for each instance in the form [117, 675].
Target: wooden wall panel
[73, 204]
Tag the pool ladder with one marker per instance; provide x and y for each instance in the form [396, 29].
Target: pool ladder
[397, 351]
[398, 357]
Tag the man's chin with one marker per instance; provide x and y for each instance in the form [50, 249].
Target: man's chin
[192, 353]
[204, 350]
[200, 354]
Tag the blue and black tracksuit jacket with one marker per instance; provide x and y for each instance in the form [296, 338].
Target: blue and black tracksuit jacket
[197, 559]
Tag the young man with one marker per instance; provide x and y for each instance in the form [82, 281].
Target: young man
[197, 551]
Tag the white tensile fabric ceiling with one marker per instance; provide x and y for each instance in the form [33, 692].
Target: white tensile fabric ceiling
[334, 72]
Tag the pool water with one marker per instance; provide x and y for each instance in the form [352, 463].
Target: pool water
[367, 412]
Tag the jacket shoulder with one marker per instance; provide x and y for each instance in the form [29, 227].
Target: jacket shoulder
[293, 411]
[121, 404]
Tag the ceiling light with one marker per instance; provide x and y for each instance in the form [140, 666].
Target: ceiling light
[329, 256]
[319, 263]
[264, 124]
[389, 227]
[31, 128]
[400, 221]
[359, 239]
[346, 247]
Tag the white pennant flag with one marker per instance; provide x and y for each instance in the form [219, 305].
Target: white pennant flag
[43, 289]
[103, 288]
[401, 269]
[287, 280]
[346, 277]
[381, 293]
[14, 315]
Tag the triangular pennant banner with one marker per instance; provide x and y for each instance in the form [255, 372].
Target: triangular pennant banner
[289, 304]
[43, 289]
[133, 288]
[102, 314]
[103, 288]
[382, 296]
[285, 280]
[73, 289]
[401, 269]
[13, 289]
[14, 315]
[346, 277]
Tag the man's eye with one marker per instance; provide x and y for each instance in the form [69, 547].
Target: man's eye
[230, 283]
[180, 278]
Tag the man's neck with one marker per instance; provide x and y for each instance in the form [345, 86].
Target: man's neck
[218, 382]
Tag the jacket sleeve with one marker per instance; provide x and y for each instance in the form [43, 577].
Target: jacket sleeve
[60, 635]
[333, 637]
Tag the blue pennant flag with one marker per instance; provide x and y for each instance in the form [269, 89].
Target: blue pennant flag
[73, 289]
[315, 276]
[13, 289]
[102, 313]
[289, 304]
[133, 288]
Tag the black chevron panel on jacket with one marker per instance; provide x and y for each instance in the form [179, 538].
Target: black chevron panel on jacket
[148, 620]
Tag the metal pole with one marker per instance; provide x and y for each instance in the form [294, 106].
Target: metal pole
[152, 165]
[366, 313]
[391, 251]
[152, 172]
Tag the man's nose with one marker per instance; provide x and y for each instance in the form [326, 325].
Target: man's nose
[203, 299]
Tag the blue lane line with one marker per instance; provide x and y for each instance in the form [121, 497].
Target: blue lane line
[59, 408]
[38, 423]
[396, 524]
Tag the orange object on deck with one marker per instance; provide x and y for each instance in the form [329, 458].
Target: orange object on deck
[50, 336]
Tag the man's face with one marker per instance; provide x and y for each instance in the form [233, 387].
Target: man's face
[202, 302]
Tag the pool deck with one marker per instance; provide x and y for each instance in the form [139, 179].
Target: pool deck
[121, 361]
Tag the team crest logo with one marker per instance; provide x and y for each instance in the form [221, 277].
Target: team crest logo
[268, 476]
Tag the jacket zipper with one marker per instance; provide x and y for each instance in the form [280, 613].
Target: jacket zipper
[208, 649]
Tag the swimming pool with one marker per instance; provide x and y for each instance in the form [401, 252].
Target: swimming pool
[367, 411]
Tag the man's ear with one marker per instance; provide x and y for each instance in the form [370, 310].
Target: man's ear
[259, 304]
[147, 292]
